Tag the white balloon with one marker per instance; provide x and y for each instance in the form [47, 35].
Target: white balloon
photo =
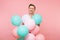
[30, 23]
[25, 17]
[30, 37]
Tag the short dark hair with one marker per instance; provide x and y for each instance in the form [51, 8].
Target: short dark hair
[32, 5]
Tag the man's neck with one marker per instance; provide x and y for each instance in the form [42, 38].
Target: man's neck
[31, 14]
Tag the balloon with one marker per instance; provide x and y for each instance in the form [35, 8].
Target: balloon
[40, 37]
[25, 17]
[20, 39]
[16, 20]
[36, 30]
[37, 18]
[30, 24]
[22, 31]
[14, 32]
[30, 37]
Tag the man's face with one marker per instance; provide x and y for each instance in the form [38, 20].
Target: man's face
[31, 9]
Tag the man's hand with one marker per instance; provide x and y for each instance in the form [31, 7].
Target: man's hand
[22, 23]
[38, 24]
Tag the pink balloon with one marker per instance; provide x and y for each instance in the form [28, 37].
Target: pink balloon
[30, 37]
[14, 32]
[40, 37]
[30, 23]
[36, 30]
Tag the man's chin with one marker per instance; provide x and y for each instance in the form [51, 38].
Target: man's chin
[31, 13]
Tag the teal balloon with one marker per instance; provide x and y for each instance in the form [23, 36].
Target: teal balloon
[22, 31]
[16, 20]
[21, 38]
[37, 18]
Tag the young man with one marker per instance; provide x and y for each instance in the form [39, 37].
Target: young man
[31, 10]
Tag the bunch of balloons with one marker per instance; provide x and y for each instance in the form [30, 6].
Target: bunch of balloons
[26, 27]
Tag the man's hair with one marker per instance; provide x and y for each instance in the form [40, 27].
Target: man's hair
[32, 5]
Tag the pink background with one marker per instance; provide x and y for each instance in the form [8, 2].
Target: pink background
[49, 9]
